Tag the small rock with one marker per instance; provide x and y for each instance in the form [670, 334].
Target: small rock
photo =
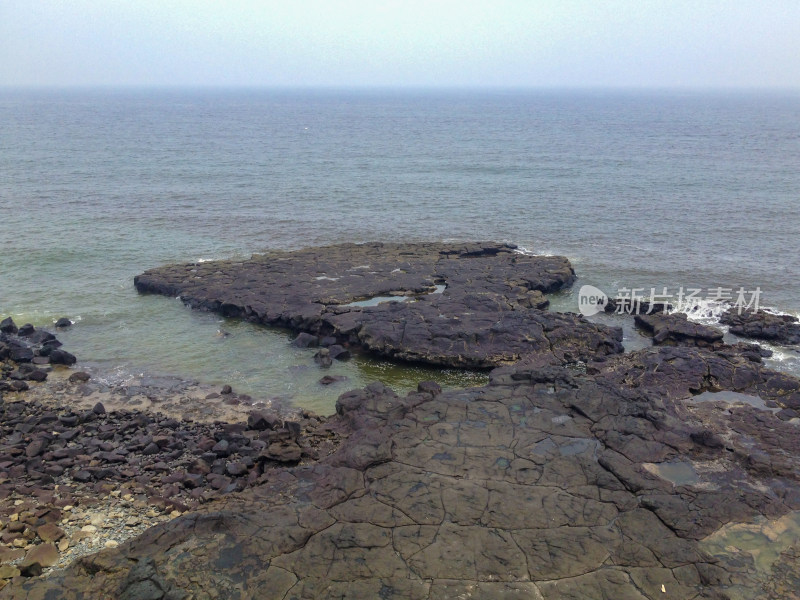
[262, 421]
[43, 555]
[62, 357]
[235, 468]
[36, 447]
[79, 377]
[64, 322]
[323, 358]
[37, 375]
[338, 352]
[430, 387]
[50, 532]
[26, 330]
[40, 336]
[8, 572]
[7, 325]
[226, 389]
[305, 340]
[111, 544]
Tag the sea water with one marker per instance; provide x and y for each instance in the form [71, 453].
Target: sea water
[639, 190]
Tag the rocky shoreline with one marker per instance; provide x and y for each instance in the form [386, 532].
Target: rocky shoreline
[578, 471]
[84, 466]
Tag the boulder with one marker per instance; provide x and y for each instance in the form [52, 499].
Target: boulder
[43, 555]
[26, 330]
[7, 325]
[323, 357]
[305, 340]
[337, 352]
[62, 357]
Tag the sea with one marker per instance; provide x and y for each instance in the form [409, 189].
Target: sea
[658, 191]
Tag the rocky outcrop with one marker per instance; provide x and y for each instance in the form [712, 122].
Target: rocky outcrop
[28, 353]
[677, 330]
[486, 312]
[778, 329]
[547, 483]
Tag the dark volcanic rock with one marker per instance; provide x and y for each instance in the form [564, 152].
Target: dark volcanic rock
[62, 357]
[26, 330]
[488, 314]
[40, 336]
[337, 352]
[305, 340]
[64, 322]
[323, 357]
[7, 325]
[779, 329]
[547, 483]
[675, 329]
[79, 377]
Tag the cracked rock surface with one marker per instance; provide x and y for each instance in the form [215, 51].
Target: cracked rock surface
[486, 312]
[618, 482]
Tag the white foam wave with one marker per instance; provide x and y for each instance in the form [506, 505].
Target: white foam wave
[702, 310]
[529, 252]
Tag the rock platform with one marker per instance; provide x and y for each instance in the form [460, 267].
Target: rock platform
[487, 312]
[547, 483]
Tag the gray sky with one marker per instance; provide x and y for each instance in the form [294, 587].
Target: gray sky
[507, 43]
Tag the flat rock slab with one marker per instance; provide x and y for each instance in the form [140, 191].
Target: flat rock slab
[676, 329]
[487, 310]
[546, 483]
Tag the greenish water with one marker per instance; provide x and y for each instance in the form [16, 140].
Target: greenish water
[255, 360]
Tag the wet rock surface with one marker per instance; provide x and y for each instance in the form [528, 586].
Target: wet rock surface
[547, 483]
[779, 329]
[487, 311]
[675, 330]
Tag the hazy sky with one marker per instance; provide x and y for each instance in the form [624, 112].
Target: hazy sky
[508, 43]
